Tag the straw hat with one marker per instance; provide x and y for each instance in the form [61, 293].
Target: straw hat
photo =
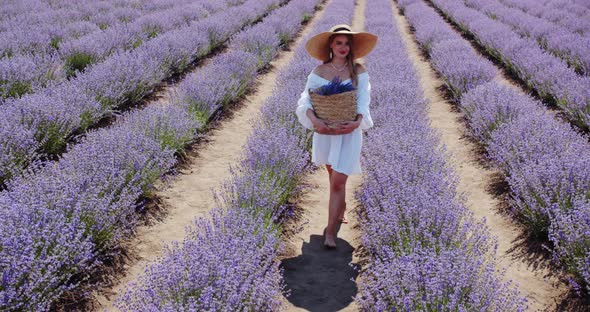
[318, 46]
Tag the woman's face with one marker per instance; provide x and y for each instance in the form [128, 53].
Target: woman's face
[340, 46]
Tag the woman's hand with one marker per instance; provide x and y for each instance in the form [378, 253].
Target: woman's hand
[349, 126]
[320, 126]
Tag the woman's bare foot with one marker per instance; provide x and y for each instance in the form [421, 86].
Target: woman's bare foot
[329, 240]
[342, 217]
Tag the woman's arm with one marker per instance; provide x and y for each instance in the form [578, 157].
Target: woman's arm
[304, 105]
[363, 101]
[319, 125]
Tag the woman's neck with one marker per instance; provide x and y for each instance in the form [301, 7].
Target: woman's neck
[339, 61]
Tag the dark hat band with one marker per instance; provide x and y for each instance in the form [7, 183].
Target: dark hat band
[341, 28]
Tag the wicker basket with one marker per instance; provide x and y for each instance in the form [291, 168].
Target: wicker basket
[334, 108]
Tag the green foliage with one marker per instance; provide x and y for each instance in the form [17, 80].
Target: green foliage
[106, 102]
[284, 39]
[55, 41]
[77, 62]
[137, 43]
[15, 89]
[198, 111]
[86, 120]
[151, 31]
[7, 53]
[52, 135]
[125, 19]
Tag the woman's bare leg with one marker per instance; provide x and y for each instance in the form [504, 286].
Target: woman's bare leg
[341, 215]
[336, 204]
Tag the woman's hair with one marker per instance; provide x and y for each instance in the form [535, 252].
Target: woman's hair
[349, 58]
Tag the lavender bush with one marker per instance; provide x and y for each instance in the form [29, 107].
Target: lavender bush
[574, 16]
[547, 167]
[203, 95]
[427, 252]
[224, 264]
[560, 41]
[26, 73]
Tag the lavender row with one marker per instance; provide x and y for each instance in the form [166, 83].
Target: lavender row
[85, 203]
[427, 251]
[461, 68]
[45, 120]
[546, 163]
[559, 41]
[542, 72]
[243, 235]
[58, 223]
[201, 93]
[97, 47]
[34, 26]
[28, 72]
[574, 16]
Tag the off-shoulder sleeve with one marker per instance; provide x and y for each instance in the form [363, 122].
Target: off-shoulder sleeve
[363, 100]
[303, 104]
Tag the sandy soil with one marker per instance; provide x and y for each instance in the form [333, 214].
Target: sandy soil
[320, 279]
[528, 270]
[189, 195]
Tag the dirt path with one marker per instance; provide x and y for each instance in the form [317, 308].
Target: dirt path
[189, 195]
[528, 271]
[319, 279]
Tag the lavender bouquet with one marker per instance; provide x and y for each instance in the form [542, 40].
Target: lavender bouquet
[335, 86]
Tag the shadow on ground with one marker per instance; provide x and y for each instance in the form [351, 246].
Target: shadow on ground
[320, 279]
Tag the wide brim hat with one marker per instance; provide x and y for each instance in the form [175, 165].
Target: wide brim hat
[319, 46]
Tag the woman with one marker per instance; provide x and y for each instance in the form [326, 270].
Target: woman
[338, 147]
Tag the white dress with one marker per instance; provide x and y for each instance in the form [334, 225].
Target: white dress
[342, 152]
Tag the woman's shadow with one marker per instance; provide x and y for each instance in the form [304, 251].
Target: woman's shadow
[320, 279]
